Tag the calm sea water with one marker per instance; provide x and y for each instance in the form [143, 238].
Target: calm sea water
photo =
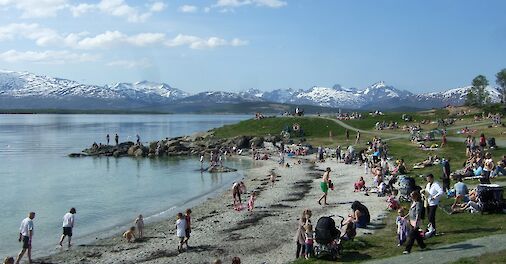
[36, 174]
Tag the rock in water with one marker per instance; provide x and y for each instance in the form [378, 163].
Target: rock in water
[77, 155]
[216, 169]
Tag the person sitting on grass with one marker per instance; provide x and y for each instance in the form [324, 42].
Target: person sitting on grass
[129, 235]
[474, 206]
[359, 217]
[501, 167]
[461, 193]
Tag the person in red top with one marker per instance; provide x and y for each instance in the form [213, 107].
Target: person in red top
[188, 226]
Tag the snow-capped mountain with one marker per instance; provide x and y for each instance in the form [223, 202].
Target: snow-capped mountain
[27, 90]
[23, 84]
[336, 96]
[220, 97]
[458, 95]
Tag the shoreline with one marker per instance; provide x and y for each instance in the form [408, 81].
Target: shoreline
[221, 232]
[149, 219]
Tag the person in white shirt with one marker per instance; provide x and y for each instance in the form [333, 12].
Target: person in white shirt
[26, 235]
[180, 230]
[68, 224]
[433, 192]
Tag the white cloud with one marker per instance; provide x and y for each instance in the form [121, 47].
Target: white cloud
[81, 9]
[45, 37]
[46, 57]
[40, 35]
[157, 7]
[188, 9]
[130, 64]
[237, 42]
[238, 3]
[144, 39]
[270, 3]
[35, 8]
[200, 43]
[104, 40]
[121, 9]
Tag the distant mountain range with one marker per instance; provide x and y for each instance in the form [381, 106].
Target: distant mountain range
[21, 90]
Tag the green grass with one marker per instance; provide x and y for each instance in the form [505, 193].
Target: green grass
[368, 122]
[453, 228]
[316, 128]
[488, 258]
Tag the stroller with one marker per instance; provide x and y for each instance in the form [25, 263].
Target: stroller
[406, 186]
[491, 196]
[329, 238]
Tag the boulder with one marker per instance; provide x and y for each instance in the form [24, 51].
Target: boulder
[132, 149]
[217, 169]
[139, 152]
[256, 142]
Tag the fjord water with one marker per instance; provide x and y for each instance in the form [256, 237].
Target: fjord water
[36, 174]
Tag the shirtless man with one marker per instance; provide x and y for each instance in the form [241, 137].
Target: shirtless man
[324, 185]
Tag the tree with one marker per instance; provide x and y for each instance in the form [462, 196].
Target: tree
[477, 95]
[501, 81]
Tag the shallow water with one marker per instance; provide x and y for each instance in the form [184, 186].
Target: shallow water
[36, 174]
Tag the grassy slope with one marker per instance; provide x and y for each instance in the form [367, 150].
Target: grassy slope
[314, 128]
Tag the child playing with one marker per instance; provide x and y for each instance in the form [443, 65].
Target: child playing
[273, 178]
[188, 226]
[402, 227]
[130, 235]
[180, 230]
[309, 240]
[359, 185]
[392, 202]
[139, 223]
[251, 202]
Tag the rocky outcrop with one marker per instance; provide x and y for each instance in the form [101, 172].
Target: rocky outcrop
[196, 144]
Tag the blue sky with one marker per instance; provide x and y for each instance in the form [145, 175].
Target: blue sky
[234, 45]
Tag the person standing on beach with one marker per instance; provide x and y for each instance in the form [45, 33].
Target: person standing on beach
[188, 229]
[202, 162]
[324, 185]
[347, 135]
[25, 236]
[116, 138]
[68, 224]
[180, 230]
[107, 139]
[138, 139]
[338, 153]
[139, 223]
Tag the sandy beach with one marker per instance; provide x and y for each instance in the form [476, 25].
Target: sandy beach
[265, 235]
